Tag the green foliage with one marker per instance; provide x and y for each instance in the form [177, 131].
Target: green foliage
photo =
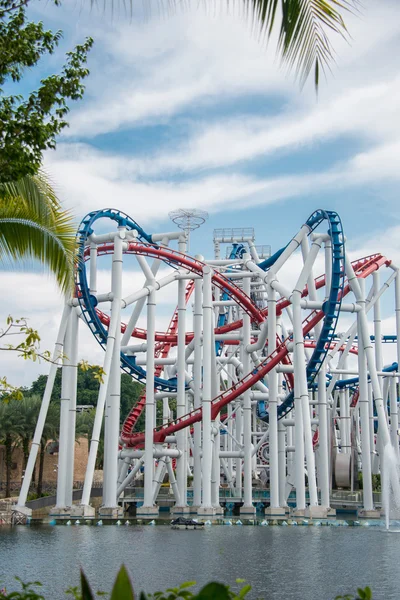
[88, 388]
[27, 592]
[362, 594]
[122, 586]
[30, 125]
[33, 225]
[123, 590]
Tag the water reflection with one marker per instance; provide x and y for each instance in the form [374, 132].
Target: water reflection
[280, 562]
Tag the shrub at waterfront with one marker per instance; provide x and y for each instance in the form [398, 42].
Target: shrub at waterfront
[123, 590]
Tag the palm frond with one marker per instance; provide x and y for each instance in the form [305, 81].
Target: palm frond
[305, 27]
[48, 236]
[33, 190]
[304, 43]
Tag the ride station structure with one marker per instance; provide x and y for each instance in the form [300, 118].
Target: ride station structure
[270, 376]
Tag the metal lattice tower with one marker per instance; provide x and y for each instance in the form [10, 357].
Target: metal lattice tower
[188, 219]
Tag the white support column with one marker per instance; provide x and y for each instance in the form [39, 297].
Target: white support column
[239, 447]
[181, 436]
[215, 429]
[197, 328]
[397, 313]
[394, 416]
[72, 406]
[110, 504]
[364, 415]
[148, 508]
[206, 507]
[282, 463]
[43, 412]
[273, 409]
[377, 322]
[300, 375]
[61, 501]
[323, 438]
[247, 507]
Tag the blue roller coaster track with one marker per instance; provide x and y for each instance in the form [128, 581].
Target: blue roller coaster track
[331, 307]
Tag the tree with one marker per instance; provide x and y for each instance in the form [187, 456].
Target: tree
[88, 384]
[28, 411]
[32, 221]
[50, 433]
[33, 225]
[9, 430]
[29, 125]
[84, 423]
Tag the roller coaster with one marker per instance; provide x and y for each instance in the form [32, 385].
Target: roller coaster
[266, 377]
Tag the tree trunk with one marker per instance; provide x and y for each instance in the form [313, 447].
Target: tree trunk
[8, 446]
[25, 450]
[41, 465]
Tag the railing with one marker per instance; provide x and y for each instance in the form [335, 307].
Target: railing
[238, 234]
[264, 251]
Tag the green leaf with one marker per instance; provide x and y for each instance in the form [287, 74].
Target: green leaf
[33, 225]
[122, 589]
[244, 591]
[187, 584]
[365, 594]
[213, 591]
[86, 591]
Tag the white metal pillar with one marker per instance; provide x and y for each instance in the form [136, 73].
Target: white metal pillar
[394, 416]
[323, 438]
[150, 402]
[114, 387]
[247, 459]
[273, 404]
[61, 501]
[364, 416]
[43, 410]
[206, 506]
[181, 436]
[300, 375]
[197, 329]
[72, 406]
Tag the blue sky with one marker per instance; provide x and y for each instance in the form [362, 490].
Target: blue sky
[190, 110]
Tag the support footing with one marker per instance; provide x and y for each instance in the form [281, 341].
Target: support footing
[181, 510]
[219, 510]
[111, 512]
[319, 512]
[299, 512]
[368, 514]
[83, 510]
[24, 510]
[59, 511]
[206, 511]
[147, 512]
[275, 512]
[248, 510]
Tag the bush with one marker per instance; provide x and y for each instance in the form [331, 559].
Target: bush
[122, 590]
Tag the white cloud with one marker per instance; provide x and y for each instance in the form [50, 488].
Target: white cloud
[87, 180]
[165, 67]
[369, 112]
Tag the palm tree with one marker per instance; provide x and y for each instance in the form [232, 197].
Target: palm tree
[28, 411]
[33, 225]
[9, 431]
[50, 433]
[303, 25]
[84, 424]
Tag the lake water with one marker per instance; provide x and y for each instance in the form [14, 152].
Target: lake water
[289, 563]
